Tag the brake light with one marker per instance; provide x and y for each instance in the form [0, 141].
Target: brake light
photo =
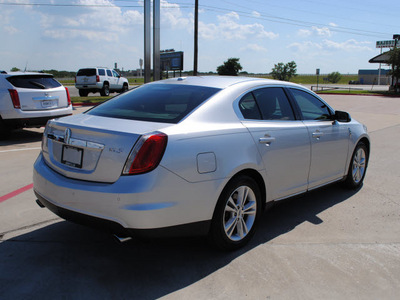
[146, 154]
[15, 98]
[97, 78]
[75, 79]
[68, 97]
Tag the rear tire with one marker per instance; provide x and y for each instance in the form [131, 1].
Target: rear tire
[237, 213]
[83, 93]
[358, 167]
[105, 91]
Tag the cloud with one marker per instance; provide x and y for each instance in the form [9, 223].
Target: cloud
[349, 45]
[11, 30]
[256, 14]
[253, 47]
[229, 28]
[315, 31]
[329, 45]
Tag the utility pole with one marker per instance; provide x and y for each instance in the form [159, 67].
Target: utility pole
[196, 35]
[147, 42]
[156, 40]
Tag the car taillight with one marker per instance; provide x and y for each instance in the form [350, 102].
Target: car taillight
[75, 79]
[97, 78]
[146, 154]
[68, 97]
[15, 98]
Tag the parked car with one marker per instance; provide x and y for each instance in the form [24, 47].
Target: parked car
[196, 155]
[31, 99]
[103, 80]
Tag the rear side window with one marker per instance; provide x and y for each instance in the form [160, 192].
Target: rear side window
[165, 103]
[109, 73]
[274, 104]
[102, 72]
[40, 82]
[86, 72]
[249, 108]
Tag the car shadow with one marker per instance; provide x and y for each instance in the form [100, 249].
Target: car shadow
[22, 136]
[64, 260]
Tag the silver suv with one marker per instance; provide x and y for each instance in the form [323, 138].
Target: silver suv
[103, 80]
[29, 99]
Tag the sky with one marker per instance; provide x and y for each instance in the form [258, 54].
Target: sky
[71, 34]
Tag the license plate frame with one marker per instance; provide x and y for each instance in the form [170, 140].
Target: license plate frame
[47, 103]
[72, 156]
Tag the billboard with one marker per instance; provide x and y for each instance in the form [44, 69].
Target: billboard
[171, 61]
[385, 44]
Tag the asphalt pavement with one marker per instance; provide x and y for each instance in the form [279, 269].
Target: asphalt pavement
[328, 244]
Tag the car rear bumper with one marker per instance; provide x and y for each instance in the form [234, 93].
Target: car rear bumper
[96, 86]
[146, 204]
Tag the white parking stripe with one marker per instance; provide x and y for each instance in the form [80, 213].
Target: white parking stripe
[25, 149]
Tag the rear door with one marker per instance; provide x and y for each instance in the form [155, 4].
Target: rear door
[329, 139]
[283, 141]
[111, 79]
[39, 92]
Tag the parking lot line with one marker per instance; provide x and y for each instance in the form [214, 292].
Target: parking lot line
[23, 149]
[16, 192]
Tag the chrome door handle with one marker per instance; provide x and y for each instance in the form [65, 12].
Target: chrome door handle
[266, 140]
[317, 134]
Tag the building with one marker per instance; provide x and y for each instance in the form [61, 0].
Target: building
[372, 77]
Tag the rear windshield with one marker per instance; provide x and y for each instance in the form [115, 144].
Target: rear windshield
[86, 72]
[40, 82]
[165, 103]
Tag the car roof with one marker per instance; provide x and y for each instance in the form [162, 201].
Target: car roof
[19, 73]
[221, 82]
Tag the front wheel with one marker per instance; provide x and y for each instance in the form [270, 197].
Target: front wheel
[124, 88]
[236, 214]
[358, 166]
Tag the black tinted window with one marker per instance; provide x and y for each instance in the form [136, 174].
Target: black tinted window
[274, 104]
[249, 107]
[109, 73]
[86, 72]
[102, 72]
[311, 107]
[34, 81]
[165, 103]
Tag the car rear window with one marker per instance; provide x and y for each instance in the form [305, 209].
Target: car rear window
[40, 82]
[86, 72]
[165, 103]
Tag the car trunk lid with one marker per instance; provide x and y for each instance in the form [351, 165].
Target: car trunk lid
[92, 148]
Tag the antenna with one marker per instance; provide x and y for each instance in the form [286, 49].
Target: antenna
[26, 65]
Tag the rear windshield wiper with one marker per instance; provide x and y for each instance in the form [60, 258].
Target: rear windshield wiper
[38, 84]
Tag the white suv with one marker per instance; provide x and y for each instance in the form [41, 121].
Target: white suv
[30, 100]
[101, 80]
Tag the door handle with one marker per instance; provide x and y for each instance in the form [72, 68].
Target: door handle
[266, 140]
[317, 134]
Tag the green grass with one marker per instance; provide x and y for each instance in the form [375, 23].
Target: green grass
[92, 99]
[359, 92]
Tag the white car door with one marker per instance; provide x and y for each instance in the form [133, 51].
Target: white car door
[329, 139]
[282, 141]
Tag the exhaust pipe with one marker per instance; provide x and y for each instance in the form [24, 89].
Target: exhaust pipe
[40, 203]
[122, 239]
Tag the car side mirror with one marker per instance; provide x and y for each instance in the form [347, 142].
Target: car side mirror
[342, 116]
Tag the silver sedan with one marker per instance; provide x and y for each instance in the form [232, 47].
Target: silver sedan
[196, 155]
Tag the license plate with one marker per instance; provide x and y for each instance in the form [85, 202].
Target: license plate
[47, 103]
[72, 156]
